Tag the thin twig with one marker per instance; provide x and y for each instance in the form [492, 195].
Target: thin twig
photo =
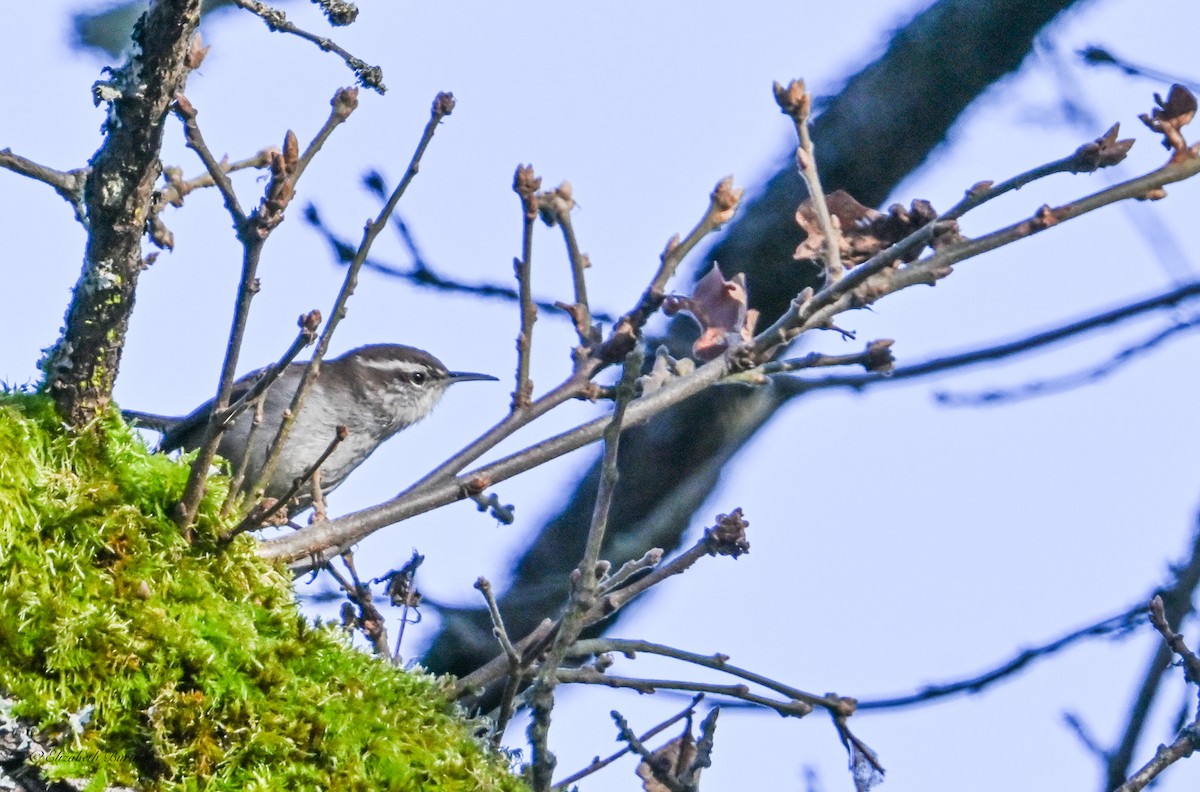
[589, 676]
[1175, 641]
[308, 333]
[515, 664]
[585, 587]
[257, 518]
[484, 586]
[1178, 598]
[796, 102]
[423, 275]
[369, 619]
[68, 184]
[343, 103]
[369, 76]
[252, 245]
[722, 204]
[556, 207]
[726, 538]
[599, 764]
[717, 662]
[1189, 738]
[660, 774]
[525, 184]
[220, 177]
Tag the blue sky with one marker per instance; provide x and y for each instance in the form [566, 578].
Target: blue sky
[895, 542]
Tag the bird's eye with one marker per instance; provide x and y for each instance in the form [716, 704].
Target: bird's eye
[418, 378]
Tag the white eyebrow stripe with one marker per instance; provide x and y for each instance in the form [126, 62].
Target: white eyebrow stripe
[406, 366]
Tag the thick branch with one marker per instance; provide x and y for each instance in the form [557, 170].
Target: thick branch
[82, 366]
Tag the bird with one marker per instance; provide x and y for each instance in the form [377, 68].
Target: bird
[374, 391]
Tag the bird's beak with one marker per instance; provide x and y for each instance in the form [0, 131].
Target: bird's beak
[467, 376]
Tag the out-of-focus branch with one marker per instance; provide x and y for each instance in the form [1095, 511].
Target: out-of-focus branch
[1064, 382]
[797, 386]
[422, 274]
[1094, 55]
[1120, 623]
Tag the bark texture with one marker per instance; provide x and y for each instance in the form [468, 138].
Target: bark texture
[82, 366]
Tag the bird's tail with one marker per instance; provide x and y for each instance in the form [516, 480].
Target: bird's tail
[159, 423]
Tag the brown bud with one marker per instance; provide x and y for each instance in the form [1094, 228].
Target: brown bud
[443, 104]
[344, 102]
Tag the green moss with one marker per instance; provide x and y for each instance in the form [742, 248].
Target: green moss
[192, 660]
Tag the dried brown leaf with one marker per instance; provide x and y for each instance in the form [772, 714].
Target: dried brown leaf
[1170, 117]
[673, 758]
[864, 231]
[720, 307]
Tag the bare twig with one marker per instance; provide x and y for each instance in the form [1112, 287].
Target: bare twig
[276, 20]
[308, 333]
[722, 204]
[515, 664]
[495, 669]
[216, 171]
[796, 102]
[717, 662]
[369, 620]
[484, 586]
[343, 103]
[68, 184]
[402, 591]
[1189, 738]
[423, 275]
[589, 676]
[1166, 755]
[252, 245]
[526, 185]
[658, 769]
[257, 517]
[585, 589]
[599, 764]
[1175, 641]
[1177, 599]
[556, 206]
[727, 538]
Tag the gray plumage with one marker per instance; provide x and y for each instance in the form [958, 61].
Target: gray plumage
[374, 391]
